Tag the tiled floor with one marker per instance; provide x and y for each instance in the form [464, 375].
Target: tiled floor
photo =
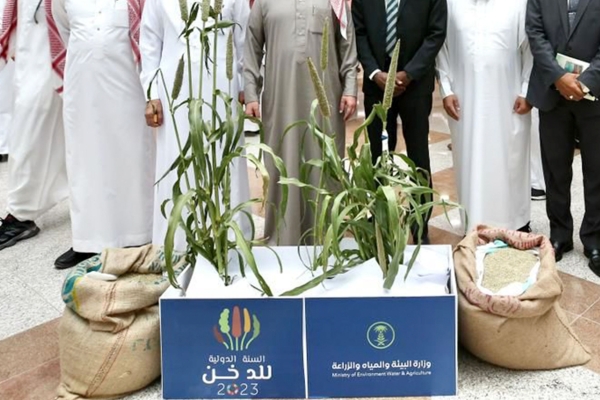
[30, 303]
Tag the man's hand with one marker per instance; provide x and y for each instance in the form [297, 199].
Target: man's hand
[348, 106]
[154, 113]
[253, 109]
[402, 79]
[522, 106]
[399, 87]
[402, 82]
[380, 79]
[569, 87]
[452, 107]
[241, 98]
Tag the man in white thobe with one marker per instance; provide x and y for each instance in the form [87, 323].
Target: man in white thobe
[6, 106]
[37, 173]
[161, 47]
[110, 150]
[6, 101]
[484, 69]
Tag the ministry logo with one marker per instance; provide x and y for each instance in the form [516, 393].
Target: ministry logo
[381, 335]
[234, 332]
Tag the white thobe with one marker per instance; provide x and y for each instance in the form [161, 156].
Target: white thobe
[6, 103]
[486, 63]
[6, 97]
[110, 149]
[537, 171]
[162, 47]
[37, 173]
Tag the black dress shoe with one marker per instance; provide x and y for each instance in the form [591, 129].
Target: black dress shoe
[594, 257]
[560, 248]
[3, 157]
[71, 258]
[526, 228]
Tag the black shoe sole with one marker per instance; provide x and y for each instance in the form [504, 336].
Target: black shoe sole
[565, 250]
[594, 268]
[29, 233]
[62, 265]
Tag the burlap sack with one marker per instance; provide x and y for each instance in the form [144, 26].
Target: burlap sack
[530, 331]
[109, 335]
[97, 364]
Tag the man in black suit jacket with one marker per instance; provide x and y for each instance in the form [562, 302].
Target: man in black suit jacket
[572, 28]
[421, 27]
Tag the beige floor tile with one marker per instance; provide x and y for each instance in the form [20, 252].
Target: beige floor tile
[36, 384]
[579, 295]
[589, 333]
[440, 236]
[28, 350]
[571, 317]
[593, 313]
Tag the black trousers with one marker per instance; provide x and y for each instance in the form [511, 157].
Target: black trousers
[558, 130]
[414, 111]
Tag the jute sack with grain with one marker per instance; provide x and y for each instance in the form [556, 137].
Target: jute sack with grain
[109, 335]
[530, 331]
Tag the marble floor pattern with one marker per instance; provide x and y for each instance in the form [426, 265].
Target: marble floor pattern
[30, 302]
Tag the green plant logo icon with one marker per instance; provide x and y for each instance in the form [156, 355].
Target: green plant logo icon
[381, 335]
[235, 333]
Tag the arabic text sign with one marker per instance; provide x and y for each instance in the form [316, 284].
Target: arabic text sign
[232, 348]
[400, 346]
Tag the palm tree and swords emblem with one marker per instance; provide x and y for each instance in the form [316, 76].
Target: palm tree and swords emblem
[381, 335]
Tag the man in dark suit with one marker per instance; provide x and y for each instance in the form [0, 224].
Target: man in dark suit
[421, 27]
[571, 28]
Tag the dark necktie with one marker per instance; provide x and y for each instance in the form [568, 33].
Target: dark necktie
[572, 10]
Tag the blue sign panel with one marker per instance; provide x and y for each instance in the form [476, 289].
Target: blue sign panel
[381, 347]
[232, 348]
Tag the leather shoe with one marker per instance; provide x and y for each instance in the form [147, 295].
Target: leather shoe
[526, 228]
[560, 248]
[71, 258]
[594, 257]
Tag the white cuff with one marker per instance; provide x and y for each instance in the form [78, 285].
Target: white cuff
[445, 88]
[153, 91]
[374, 73]
[524, 89]
[585, 89]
